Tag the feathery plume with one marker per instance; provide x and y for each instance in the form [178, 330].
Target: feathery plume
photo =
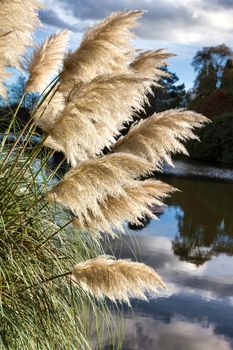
[3, 91]
[46, 60]
[116, 279]
[3, 76]
[49, 111]
[87, 185]
[19, 18]
[96, 112]
[105, 48]
[161, 135]
[135, 203]
[149, 63]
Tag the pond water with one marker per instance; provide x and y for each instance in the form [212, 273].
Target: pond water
[191, 247]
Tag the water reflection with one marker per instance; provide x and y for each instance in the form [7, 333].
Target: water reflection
[205, 220]
[203, 212]
[191, 246]
[169, 336]
[196, 312]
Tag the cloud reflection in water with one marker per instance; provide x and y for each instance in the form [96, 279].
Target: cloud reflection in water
[191, 246]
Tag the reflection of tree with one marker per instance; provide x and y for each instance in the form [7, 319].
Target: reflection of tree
[145, 221]
[206, 223]
[189, 251]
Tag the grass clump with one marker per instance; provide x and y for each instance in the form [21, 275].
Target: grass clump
[39, 310]
[55, 279]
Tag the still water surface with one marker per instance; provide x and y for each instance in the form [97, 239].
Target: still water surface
[191, 247]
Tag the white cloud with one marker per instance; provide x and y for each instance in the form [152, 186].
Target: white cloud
[210, 281]
[148, 333]
[181, 22]
[181, 26]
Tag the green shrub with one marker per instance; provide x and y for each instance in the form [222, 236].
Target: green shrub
[216, 141]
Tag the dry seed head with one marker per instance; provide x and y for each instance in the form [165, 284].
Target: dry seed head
[149, 64]
[46, 60]
[105, 48]
[95, 114]
[116, 279]
[87, 185]
[136, 202]
[3, 76]
[19, 18]
[161, 135]
[49, 111]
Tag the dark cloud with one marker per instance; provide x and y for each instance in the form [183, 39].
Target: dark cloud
[159, 15]
[155, 10]
[221, 3]
[170, 21]
[50, 17]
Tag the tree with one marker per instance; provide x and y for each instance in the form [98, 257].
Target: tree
[206, 81]
[216, 139]
[213, 83]
[227, 77]
[168, 96]
[211, 59]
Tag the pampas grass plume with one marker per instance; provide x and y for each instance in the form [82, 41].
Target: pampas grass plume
[116, 279]
[19, 18]
[161, 135]
[96, 111]
[105, 48]
[88, 184]
[3, 76]
[48, 112]
[46, 61]
[136, 202]
[149, 63]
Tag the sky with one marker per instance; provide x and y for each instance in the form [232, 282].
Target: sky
[180, 26]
